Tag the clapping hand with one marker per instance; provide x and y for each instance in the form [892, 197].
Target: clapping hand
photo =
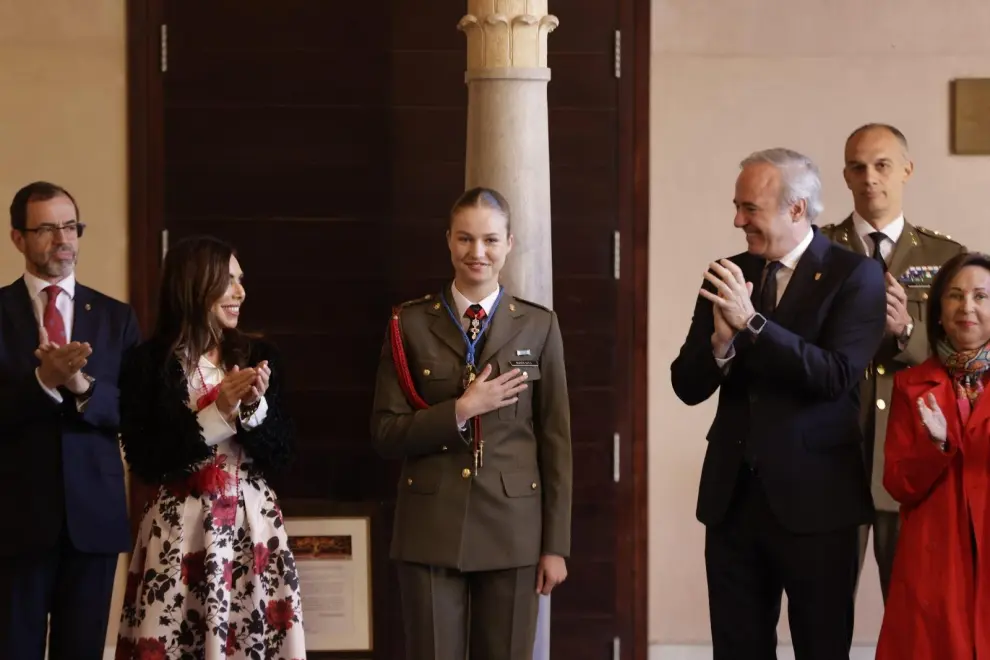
[236, 386]
[62, 365]
[263, 374]
[732, 295]
[933, 419]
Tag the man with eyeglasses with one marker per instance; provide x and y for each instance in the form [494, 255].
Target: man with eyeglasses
[61, 475]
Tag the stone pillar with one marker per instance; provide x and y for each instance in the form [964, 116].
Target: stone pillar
[508, 145]
[508, 149]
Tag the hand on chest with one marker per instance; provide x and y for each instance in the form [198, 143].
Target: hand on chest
[441, 372]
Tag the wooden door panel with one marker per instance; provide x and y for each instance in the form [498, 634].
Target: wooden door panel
[584, 196]
[413, 136]
[224, 134]
[297, 25]
[416, 26]
[428, 78]
[583, 137]
[593, 519]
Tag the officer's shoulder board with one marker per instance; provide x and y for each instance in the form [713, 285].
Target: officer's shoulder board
[931, 233]
[416, 301]
[532, 304]
[832, 231]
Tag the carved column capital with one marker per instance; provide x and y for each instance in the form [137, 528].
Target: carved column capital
[505, 34]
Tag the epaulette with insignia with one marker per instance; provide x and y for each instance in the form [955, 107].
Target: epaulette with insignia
[918, 276]
[428, 296]
[935, 234]
[532, 304]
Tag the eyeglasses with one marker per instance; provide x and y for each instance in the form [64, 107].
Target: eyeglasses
[70, 229]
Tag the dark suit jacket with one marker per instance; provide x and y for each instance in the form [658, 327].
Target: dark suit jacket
[792, 395]
[60, 466]
[519, 505]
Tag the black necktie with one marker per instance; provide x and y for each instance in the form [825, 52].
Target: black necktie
[878, 237]
[768, 294]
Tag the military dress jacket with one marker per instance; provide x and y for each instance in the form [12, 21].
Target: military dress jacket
[916, 258]
[517, 506]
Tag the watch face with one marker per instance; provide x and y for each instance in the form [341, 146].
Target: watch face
[757, 322]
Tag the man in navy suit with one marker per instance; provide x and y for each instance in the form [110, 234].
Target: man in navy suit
[61, 477]
[783, 331]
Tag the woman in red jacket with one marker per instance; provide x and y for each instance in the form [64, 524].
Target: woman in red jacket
[938, 467]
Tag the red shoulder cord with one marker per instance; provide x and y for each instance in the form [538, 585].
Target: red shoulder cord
[406, 379]
[402, 364]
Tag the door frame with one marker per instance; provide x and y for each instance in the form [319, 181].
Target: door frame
[146, 244]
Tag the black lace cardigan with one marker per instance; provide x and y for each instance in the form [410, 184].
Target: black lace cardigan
[160, 434]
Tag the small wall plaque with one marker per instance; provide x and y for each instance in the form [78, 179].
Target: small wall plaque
[971, 116]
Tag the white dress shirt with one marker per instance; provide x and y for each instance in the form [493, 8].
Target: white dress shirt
[461, 303]
[788, 263]
[65, 306]
[892, 232]
[216, 429]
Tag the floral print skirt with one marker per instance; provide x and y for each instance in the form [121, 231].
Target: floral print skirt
[212, 576]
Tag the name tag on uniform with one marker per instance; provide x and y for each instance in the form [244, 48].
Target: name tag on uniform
[521, 364]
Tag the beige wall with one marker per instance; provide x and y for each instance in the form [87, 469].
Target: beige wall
[63, 119]
[729, 78]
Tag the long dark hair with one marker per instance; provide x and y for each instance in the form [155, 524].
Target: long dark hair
[195, 276]
[945, 275]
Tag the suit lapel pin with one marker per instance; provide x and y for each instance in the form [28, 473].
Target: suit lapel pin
[818, 276]
[87, 307]
[436, 305]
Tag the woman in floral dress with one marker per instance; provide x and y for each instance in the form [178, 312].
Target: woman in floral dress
[202, 418]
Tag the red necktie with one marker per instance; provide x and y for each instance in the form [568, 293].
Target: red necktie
[477, 314]
[54, 324]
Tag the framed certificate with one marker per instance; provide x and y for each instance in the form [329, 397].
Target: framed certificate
[333, 557]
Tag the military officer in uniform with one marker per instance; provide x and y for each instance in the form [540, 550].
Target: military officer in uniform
[471, 395]
[877, 166]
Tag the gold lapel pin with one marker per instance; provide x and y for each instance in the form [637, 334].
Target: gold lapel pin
[88, 307]
[436, 305]
[818, 276]
[512, 307]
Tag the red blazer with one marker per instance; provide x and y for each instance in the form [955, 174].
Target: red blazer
[935, 607]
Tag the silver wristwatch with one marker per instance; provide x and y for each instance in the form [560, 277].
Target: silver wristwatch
[755, 323]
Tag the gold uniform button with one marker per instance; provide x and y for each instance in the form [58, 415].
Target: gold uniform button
[465, 473]
[409, 482]
[881, 404]
[881, 370]
[426, 372]
[533, 485]
[924, 296]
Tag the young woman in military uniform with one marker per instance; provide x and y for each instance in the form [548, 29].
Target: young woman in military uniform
[471, 395]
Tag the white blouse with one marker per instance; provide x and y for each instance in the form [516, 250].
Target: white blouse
[216, 429]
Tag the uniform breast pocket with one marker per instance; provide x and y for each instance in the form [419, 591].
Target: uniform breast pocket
[917, 303]
[524, 406]
[437, 380]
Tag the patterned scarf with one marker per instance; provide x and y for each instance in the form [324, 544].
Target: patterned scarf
[966, 368]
